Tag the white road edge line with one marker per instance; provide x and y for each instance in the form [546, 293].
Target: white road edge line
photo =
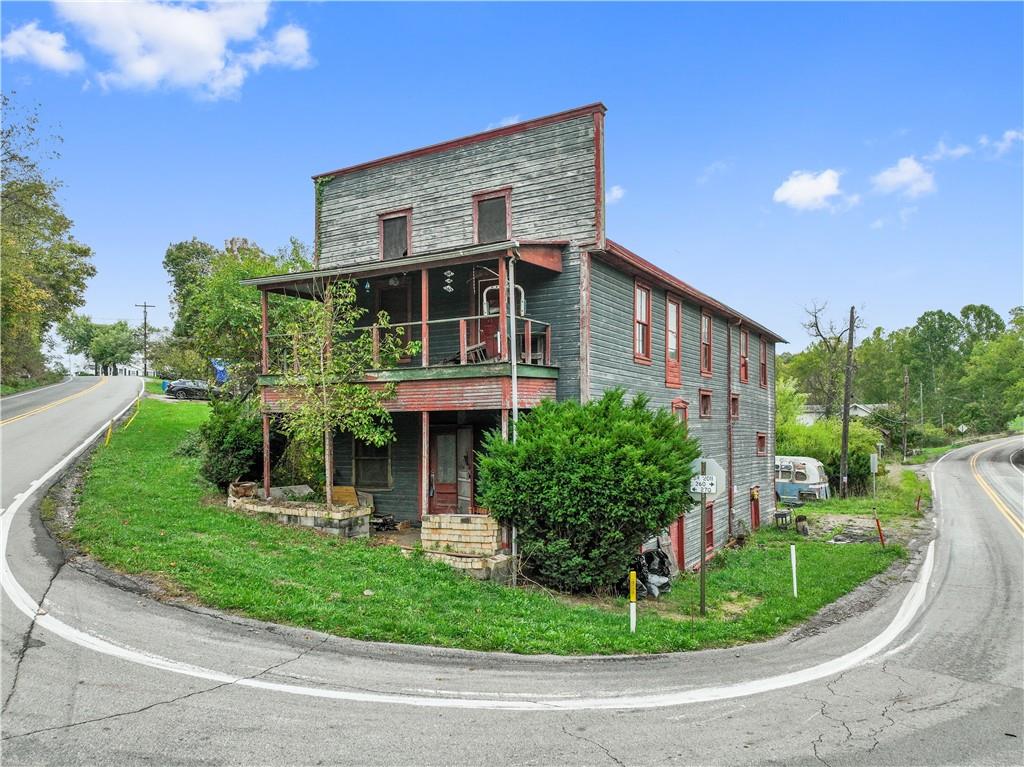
[33, 391]
[906, 614]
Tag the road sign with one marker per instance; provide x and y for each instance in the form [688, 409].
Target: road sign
[874, 463]
[713, 469]
[961, 428]
[703, 483]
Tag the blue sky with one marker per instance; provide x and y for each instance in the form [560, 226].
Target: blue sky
[771, 155]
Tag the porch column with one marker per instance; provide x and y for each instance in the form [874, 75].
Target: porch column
[424, 317]
[504, 424]
[266, 454]
[264, 343]
[424, 463]
[502, 309]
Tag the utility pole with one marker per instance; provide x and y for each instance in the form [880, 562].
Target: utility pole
[847, 396]
[906, 394]
[145, 336]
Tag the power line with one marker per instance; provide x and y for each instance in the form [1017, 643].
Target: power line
[145, 336]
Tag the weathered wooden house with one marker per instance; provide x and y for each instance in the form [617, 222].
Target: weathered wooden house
[460, 242]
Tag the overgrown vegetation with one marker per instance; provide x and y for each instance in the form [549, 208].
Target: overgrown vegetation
[160, 527]
[897, 496]
[232, 441]
[585, 485]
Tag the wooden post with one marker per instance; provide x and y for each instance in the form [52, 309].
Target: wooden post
[906, 394]
[547, 345]
[266, 454]
[424, 463]
[329, 467]
[462, 342]
[264, 344]
[502, 311]
[424, 317]
[527, 354]
[504, 423]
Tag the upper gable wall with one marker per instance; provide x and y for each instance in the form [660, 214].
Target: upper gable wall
[553, 171]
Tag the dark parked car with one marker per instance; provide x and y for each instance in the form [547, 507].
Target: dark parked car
[185, 389]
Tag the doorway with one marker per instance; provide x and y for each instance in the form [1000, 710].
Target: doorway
[755, 507]
[451, 470]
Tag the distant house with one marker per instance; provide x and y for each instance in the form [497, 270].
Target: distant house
[812, 413]
[491, 251]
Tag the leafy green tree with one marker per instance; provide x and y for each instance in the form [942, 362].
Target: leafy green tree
[821, 440]
[173, 357]
[585, 485]
[113, 345]
[78, 330]
[994, 380]
[980, 323]
[187, 264]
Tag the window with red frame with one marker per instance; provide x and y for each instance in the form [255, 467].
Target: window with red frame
[762, 443]
[395, 230]
[734, 406]
[744, 356]
[681, 409]
[642, 323]
[705, 344]
[764, 362]
[705, 403]
[673, 328]
[709, 532]
[491, 216]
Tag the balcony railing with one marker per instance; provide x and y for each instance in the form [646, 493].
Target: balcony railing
[469, 340]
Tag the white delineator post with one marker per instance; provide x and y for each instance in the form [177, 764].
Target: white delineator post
[632, 601]
[792, 561]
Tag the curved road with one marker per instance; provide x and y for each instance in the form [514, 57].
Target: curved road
[104, 675]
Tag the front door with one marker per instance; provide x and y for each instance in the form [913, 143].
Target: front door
[451, 470]
[755, 507]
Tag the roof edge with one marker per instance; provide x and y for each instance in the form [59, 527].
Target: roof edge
[638, 262]
[473, 138]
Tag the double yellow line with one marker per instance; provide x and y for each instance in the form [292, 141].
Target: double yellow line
[41, 408]
[1003, 508]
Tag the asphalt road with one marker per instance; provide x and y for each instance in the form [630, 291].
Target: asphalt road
[106, 676]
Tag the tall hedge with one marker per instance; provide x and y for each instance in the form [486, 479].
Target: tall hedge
[585, 485]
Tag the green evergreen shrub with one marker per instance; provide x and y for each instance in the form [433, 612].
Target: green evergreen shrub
[232, 441]
[585, 485]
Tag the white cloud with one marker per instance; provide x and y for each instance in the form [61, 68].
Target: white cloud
[504, 122]
[201, 49]
[715, 168]
[942, 152]
[615, 194]
[48, 50]
[907, 177]
[878, 223]
[805, 190]
[1005, 144]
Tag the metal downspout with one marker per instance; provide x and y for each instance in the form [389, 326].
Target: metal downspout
[511, 280]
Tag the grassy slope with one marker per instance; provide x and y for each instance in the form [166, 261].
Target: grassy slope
[19, 385]
[897, 497]
[142, 512]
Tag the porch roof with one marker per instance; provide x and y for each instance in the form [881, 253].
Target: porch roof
[305, 284]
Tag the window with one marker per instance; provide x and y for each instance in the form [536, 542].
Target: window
[642, 324]
[764, 363]
[491, 222]
[744, 356]
[371, 466]
[709, 531]
[801, 474]
[673, 315]
[705, 344]
[681, 410]
[734, 406]
[395, 232]
[705, 403]
[762, 444]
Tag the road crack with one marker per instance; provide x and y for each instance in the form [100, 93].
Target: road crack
[593, 742]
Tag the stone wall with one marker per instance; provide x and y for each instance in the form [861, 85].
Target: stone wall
[346, 521]
[472, 534]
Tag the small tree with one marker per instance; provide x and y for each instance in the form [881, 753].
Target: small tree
[585, 485]
[326, 384]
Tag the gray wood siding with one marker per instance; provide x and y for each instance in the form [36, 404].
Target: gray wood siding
[555, 298]
[549, 168]
[612, 365]
[402, 499]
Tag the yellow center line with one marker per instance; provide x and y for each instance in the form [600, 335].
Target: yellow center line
[1002, 507]
[41, 408]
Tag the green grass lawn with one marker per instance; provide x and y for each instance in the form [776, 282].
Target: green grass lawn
[142, 511]
[897, 498]
[154, 386]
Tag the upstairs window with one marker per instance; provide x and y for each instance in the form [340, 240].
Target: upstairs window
[744, 356]
[705, 343]
[673, 328]
[395, 232]
[762, 443]
[681, 410]
[491, 216]
[705, 403]
[734, 406]
[764, 363]
[371, 466]
[642, 324]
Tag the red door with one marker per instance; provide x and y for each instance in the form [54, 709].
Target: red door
[676, 534]
[755, 507]
[451, 470]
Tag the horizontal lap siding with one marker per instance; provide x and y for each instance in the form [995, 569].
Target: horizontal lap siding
[555, 298]
[402, 499]
[757, 414]
[551, 170]
[612, 365]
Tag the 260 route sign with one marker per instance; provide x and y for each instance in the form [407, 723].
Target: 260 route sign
[703, 483]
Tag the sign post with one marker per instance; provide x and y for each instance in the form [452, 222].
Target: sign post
[632, 601]
[703, 483]
[962, 428]
[874, 474]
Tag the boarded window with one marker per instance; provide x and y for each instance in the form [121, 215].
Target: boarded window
[744, 356]
[734, 406]
[642, 323]
[372, 465]
[492, 219]
[705, 403]
[705, 344]
[762, 444]
[394, 234]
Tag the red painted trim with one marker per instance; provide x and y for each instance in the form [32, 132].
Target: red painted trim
[673, 370]
[631, 260]
[638, 354]
[709, 540]
[761, 449]
[505, 192]
[702, 393]
[474, 138]
[545, 256]
[734, 412]
[681, 406]
[763, 365]
[744, 361]
[707, 371]
[381, 217]
[599, 217]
